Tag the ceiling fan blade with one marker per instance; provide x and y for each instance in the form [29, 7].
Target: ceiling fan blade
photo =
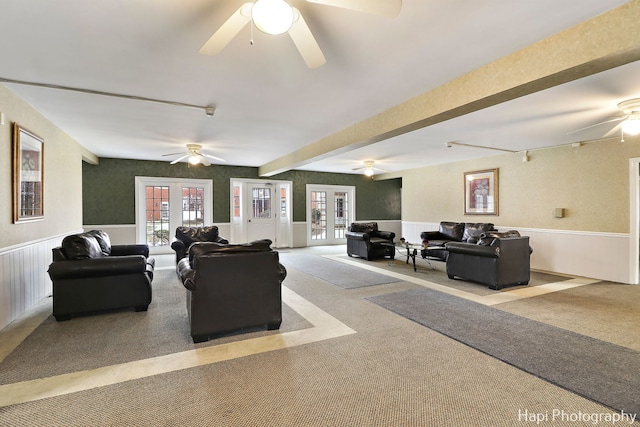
[616, 129]
[180, 158]
[214, 157]
[597, 124]
[227, 31]
[305, 42]
[377, 7]
[357, 169]
[204, 160]
[172, 154]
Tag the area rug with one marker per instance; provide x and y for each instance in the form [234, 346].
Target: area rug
[93, 341]
[334, 272]
[603, 372]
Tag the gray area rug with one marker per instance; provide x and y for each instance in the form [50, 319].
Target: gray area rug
[603, 372]
[93, 341]
[334, 272]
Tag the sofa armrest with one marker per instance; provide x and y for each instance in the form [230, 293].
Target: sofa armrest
[95, 267]
[389, 235]
[136, 249]
[471, 249]
[357, 235]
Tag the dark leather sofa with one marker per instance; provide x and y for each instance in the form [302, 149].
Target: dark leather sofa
[366, 241]
[89, 275]
[452, 232]
[186, 236]
[231, 288]
[498, 260]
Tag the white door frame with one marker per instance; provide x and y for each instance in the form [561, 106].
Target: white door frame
[350, 190]
[283, 224]
[175, 216]
[634, 220]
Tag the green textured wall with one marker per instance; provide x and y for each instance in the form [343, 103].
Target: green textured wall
[109, 189]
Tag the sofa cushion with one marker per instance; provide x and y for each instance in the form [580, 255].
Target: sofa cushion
[473, 231]
[364, 227]
[492, 238]
[190, 235]
[452, 230]
[81, 246]
[103, 240]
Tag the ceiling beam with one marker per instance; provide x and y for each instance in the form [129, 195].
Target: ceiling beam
[599, 44]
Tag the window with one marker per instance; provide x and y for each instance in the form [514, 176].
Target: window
[163, 204]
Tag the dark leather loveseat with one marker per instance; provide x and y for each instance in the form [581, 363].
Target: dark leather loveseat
[89, 274]
[496, 260]
[231, 288]
[452, 232]
[366, 241]
[186, 236]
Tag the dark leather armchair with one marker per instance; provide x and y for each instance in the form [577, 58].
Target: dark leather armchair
[231, 288]
[366, 241]
[185, 236]
[90, 275]
[497, 260]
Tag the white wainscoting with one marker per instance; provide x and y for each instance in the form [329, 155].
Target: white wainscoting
[24, 280]
[603, 256]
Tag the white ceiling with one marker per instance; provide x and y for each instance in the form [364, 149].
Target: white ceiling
[268, 103]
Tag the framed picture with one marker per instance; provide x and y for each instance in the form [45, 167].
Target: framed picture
[28, 175]
[481, 192]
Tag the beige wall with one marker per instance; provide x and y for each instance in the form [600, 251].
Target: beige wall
[591, 182]
[62, 170]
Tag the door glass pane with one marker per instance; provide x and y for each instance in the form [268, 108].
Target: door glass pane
[318, 215]
[283, 202]
[236, 201]
[341, 212]
[157, 215]
[192, 206]
[261, 202]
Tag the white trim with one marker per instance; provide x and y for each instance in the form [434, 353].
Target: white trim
[634, 219]
[595, 254]
[23, 245]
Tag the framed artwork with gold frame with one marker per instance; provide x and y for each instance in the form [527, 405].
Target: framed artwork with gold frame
[28, 175]
[481, 192]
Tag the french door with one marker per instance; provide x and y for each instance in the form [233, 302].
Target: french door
[261, 209]
[330, 210]
[163, 204]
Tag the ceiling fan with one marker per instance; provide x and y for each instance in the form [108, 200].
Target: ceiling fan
[194, 156]
[369, 168]
[279, 17]
[629, 121]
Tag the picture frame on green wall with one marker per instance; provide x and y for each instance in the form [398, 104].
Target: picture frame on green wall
[28, 175]
[481, 192]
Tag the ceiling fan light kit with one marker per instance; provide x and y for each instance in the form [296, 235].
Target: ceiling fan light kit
[272, 16]
[278, 17]
[194, 156]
